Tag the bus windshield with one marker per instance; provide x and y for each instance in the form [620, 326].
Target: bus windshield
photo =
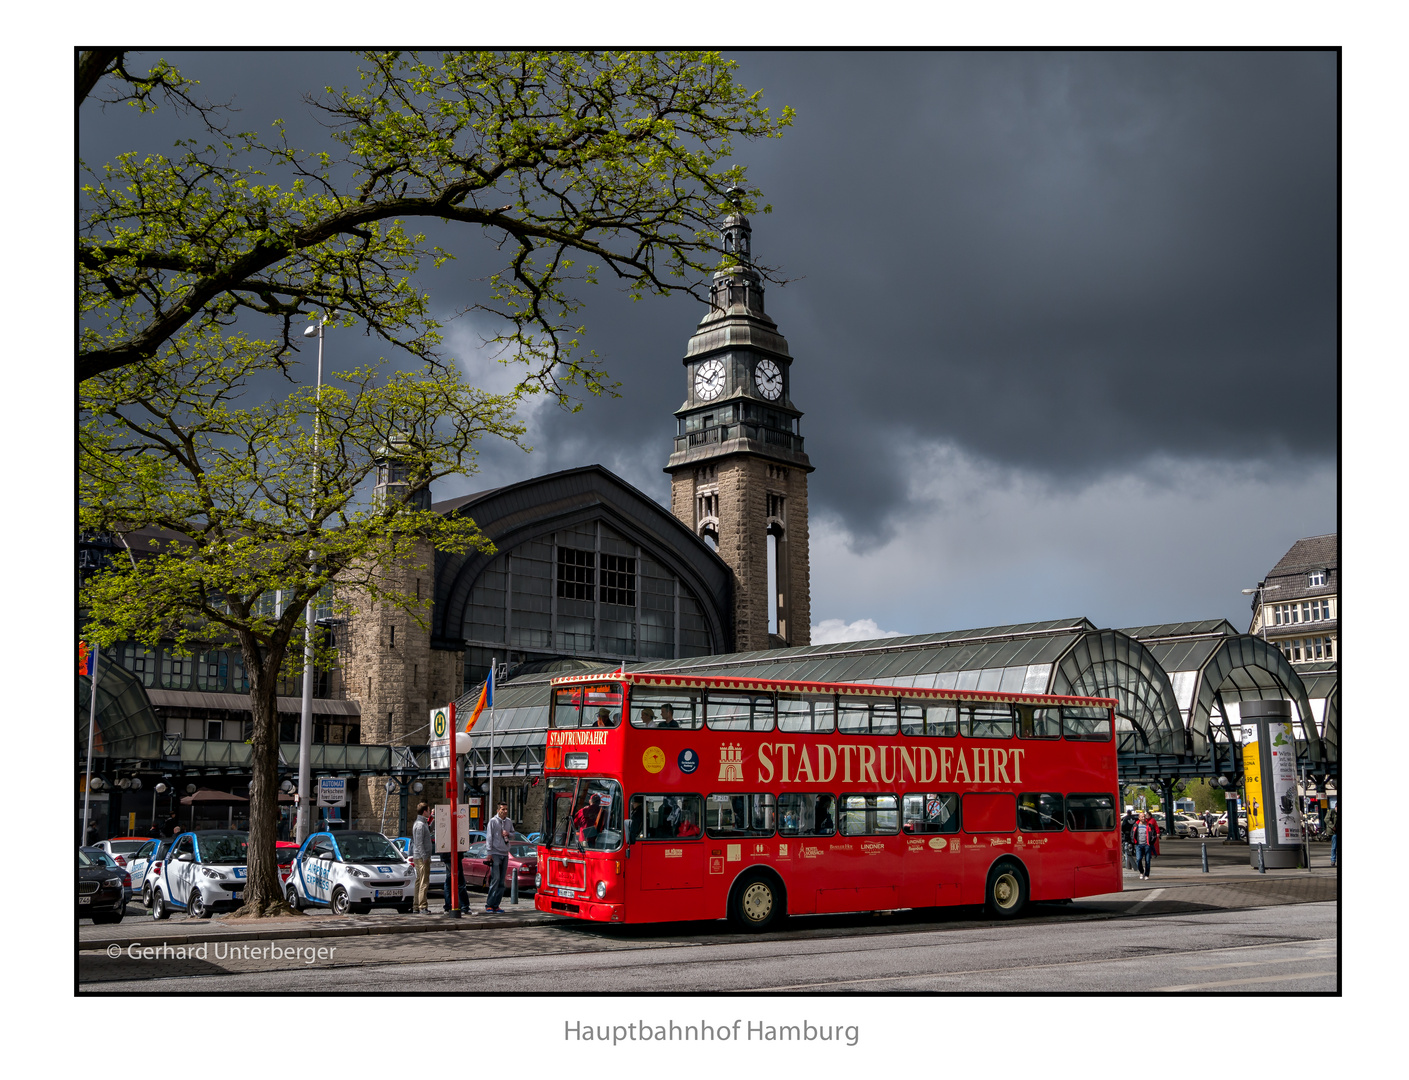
[584, 814]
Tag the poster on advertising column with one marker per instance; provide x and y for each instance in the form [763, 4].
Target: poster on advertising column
[1252, 785]
[1282, 755]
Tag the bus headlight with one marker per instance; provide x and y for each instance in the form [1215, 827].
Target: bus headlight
[537, 880]
[601, 890]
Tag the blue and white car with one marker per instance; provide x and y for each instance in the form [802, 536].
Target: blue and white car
[351, 871]
[140, 864]
[204, 872]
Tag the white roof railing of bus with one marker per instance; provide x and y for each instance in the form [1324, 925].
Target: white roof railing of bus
[727, 682]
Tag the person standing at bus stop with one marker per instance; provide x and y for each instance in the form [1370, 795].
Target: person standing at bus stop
[422, 851]
[500, 831]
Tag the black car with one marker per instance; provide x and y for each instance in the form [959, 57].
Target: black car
[101, 896]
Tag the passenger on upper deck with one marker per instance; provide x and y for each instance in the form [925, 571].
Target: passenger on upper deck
[667, 716]
[604, 719]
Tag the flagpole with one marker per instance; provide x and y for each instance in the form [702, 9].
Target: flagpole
[489, 810]
[92, 724]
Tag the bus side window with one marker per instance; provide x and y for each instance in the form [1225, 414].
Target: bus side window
[1086, 722]
[867, 715]
[1039, 723]
[931, 812]
[740, 712]
[987, 721]
[932, 718]
[1040, 811]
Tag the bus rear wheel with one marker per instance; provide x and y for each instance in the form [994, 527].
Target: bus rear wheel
[758, 902]
[1006, 894]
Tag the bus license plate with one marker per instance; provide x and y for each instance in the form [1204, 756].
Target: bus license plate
[566, 892]
[386, 894]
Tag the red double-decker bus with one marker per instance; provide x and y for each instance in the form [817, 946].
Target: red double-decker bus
[681, 797]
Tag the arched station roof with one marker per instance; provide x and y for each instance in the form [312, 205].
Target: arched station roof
[512, 515]
[1211, 661]
[127, 728]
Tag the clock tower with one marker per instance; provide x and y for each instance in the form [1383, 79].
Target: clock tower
[738, 476]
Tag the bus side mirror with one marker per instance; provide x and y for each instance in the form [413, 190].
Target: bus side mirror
[629, 837]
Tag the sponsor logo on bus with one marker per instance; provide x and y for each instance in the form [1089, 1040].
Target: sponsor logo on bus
[590, 737]
[783, 851]
[653, 760]
[938, 843]
[674, 853]
[798, 763]
[734, 852]
[716, 865]
[873, 845]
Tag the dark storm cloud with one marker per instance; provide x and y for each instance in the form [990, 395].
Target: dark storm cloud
[1065, 264]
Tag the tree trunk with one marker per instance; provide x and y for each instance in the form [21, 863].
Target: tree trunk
[264, 894]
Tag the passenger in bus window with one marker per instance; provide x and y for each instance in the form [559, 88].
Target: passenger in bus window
[667, 716]
[822, 819]
[648, 716]
[604, 718]
[688, 827]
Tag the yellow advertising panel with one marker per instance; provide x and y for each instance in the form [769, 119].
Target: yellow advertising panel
[1252, 785]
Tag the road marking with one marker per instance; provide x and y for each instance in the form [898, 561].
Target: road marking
[1148, 897]
[1261, 963]
[1246, 982]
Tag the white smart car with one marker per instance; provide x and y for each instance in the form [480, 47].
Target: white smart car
[204, 872]
[351, 872]
[145, 866]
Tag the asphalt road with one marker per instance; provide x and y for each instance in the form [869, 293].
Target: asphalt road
[1290, 947]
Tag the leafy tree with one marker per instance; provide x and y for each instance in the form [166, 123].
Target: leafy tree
[553, 157]
[238, 503]
[1206, 796]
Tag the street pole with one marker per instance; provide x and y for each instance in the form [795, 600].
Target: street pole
[305, 730]
[453, 790]
[92, 726]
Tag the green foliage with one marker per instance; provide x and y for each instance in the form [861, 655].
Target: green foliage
[245, 502]
[612, 158]
[1206, 796]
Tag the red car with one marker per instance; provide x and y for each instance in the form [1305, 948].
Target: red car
[284, 852]
[523, 865]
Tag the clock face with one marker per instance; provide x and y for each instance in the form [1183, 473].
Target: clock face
[769, 379]
[709, 380]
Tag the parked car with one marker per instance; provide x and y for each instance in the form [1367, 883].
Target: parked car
[204, 872]
[1189, 826]
[100, 856]
[99, 892]
[351, 871]
[438, 870]
[154, 859]
[284, 852]
[523, 865]
[1220, 827]
[122, 848]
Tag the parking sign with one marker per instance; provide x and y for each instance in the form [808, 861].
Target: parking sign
[332, 791]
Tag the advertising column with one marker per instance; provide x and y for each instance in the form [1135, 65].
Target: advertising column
[1269, 779]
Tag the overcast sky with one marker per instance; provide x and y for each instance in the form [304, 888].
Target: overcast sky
[1064, 325]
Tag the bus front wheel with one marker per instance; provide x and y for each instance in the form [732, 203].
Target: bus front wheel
[1006, 894]
[758, 902]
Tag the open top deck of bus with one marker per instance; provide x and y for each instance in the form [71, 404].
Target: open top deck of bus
[787, 686]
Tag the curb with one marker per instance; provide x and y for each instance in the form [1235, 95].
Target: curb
[292, 933]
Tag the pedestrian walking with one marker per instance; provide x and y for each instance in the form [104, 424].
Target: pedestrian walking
[1127, 840]
[501, 829]
[1143, 834]
[1333, 831]
[422, 850]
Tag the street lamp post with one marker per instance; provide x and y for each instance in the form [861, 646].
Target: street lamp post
[305, 729]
